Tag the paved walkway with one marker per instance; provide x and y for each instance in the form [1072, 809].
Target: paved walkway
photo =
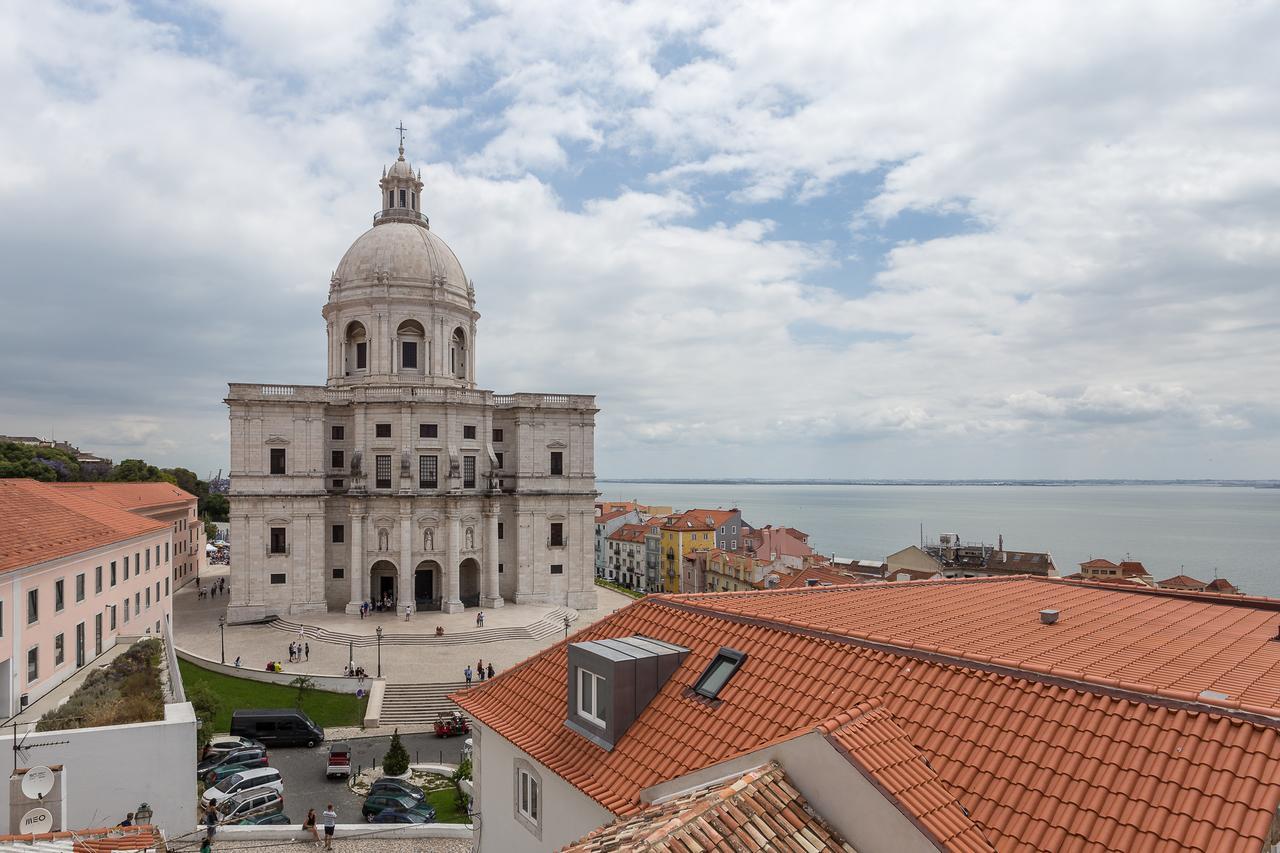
[196, 630]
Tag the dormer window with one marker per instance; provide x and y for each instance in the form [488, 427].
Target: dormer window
[718, 672]
[590, 695]
[611, 682]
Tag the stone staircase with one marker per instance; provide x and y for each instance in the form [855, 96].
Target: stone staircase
[411, 704]
[548, 626]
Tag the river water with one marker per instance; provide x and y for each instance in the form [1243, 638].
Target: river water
[1194, 530]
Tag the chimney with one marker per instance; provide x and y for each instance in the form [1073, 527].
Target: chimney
[1048, 617]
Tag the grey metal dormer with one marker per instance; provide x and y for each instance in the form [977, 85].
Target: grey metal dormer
[612, 681]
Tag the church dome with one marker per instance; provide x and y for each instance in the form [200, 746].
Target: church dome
[406, 253]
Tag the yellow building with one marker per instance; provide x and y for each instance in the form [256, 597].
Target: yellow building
[682, 534]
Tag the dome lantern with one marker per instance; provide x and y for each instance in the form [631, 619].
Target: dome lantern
[401, 192]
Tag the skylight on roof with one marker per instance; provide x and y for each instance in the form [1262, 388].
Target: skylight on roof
[718, 672]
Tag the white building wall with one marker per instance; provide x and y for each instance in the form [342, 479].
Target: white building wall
[109, 771]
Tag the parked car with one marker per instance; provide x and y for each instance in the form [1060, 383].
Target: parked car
[396, 816]
[377, 803]
[258, 777]
[278, 727]
[227, 743]
[339, 760]
[242, 758]
[392, 785]
[277, 819]
[255, 802]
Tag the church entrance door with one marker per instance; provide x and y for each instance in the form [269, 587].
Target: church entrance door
[382, 588]
[427, 581]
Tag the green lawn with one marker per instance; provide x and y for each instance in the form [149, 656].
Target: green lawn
[446, 806]
[327, 709]
[619, 588]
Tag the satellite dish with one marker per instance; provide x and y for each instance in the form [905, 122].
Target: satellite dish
[36, 783]
[36, 820]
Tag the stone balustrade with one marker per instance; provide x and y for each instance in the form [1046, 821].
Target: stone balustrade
[404, 393]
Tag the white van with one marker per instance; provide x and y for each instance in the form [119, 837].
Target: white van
[250, 803]
[257, 777]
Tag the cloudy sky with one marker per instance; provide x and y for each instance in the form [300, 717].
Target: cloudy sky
[807, 239]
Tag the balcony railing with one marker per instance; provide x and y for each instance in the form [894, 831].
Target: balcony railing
[397, 214]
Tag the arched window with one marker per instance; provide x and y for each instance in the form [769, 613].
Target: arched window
[355, 355]
[458, 354]
[412, 349]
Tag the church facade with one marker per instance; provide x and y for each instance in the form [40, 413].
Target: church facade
[399, 480]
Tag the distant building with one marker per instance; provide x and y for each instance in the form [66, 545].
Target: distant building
[625, 556]
[784, 545]
[682, 534]
[1130, 572]
[953, 558]
[608, 518]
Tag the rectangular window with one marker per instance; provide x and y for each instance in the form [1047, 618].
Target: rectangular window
[557, 569]
[112, 615]
[148, 599]
[500, 530]
[409, 355]
[97, 634]
[468, 472]
[337, 459]
[402, 198]
[339, 573]
[59, 650]
[113, 572]
[469, 433]
[279, 541]
[382, 471]
[277, 460]
[97, 580]
[362, 355]
[80, 645]
[137, 603]
[166, 588]
[339, 534]
[166, 551]
[382, 430]
[499, 568]
[557, 463]
[590, 696]
[126, 610]
[33, 664]
[428, 431]
[148, 559]
[497, 436]
[337, 433]
[126, 567]
[338, 484]
[428, 472]
[528, 796]
[498, 459]
[557, 533]
[59, 595]
[80, 587]
[277, 578]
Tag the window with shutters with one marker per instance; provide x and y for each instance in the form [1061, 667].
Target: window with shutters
[382, 471]
[468, 472]
[428, 472]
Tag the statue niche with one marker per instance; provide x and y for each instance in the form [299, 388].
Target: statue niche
[428, 540]
[384, 539]
[470, 539]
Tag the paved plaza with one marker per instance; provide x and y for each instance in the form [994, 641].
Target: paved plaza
[196, 630]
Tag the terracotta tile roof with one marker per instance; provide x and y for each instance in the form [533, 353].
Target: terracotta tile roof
[1221, 585]
[1098, 564]
[630, 533]
[686, 521]
[130, 496]
[873, 741]
[1132, 567]
[40, 522]
[760, 810]
[818, 576]
[1042, 758]
[1183, 582]
[100, 840]
[716, 517]
[610, 515]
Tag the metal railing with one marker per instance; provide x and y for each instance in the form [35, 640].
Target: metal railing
[393, 214]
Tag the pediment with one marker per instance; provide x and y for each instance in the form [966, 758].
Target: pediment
[428, 521]
[556, 444]
[384, 521]
[276, 440]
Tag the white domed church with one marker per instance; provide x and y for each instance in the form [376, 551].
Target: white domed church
[399, 480]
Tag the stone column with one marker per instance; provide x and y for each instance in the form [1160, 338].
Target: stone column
[452, 602]
[406, 555]
[492, 595]
[356, 568]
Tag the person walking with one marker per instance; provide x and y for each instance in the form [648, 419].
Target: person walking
[491, 669]
[408, 608]
[306, 651]
[480, 670]
[467, 673]
[330, 823]
[237, 661]
[310, 825]
[210, 822]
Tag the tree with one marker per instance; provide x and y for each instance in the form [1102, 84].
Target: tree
[396, 761]
[304, 685]
[216, 507]
[187, 480]
[206, 704]
[138, 471]
[463, 771]
[210, 531]
[38, 463]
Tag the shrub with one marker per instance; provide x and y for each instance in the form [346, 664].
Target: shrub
[396, 761]
[128, 690]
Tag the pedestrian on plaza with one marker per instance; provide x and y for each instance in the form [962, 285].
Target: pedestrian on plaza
[467, 673]
[408, 609]
[480, 669]
[491, 669]
[330, 822]
[206, 846]
[480, 619]
[237, 661]
[210, 822]
[306, 650]
[310, 825]
[362, 610]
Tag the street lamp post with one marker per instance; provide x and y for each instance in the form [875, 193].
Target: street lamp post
[351, 656]
[379, 633]
[222, 629]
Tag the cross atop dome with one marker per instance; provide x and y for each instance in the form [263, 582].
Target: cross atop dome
[401, 128]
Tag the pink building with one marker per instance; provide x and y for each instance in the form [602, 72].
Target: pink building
[76, 572]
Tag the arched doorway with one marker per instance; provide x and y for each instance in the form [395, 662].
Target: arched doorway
[427, 582]
[382, 582]
[469, 582]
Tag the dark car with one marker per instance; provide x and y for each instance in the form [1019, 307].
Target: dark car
[277, 727]
[377, 803]
[277, 819]
[395, 816]
[392, 785]
[251, 757]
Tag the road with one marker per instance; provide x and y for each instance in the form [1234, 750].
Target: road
[305, 785]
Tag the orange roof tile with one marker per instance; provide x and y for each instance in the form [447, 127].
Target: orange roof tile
[1039, 756]
[630, 533]
[1132, 567]
[130, 496]
[686, 521]
[1183, 582]
[1098, 563]
[105, 839]
[40, 522]
[733, 816]
[715, 517]
[818, 576]
[610, 515]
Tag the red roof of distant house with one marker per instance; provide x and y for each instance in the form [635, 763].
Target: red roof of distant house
[611, 515]
[1099, 563]
[630, 533]
[716, 517]
[820, 577]
[40, 522]
[686, 521]
[1221, 585]
[131, 496]
[1088, 734]
[1132, 567]
[1183, 582]
[769, 540]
